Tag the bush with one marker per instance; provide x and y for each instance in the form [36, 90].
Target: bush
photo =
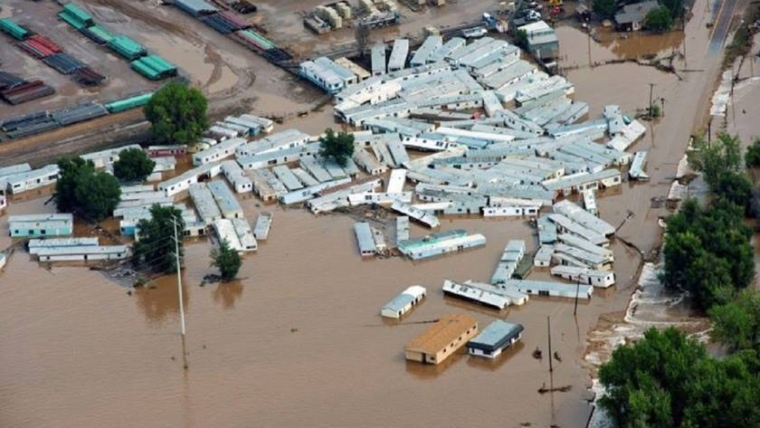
[752, 157]
[658, 20]
[227, 260]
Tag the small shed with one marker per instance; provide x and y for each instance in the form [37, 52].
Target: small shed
[404, 302]
[498, 336]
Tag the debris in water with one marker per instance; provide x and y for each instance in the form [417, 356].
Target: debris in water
[537, 354]
[557, 357]
[544, 389]
[293, 330]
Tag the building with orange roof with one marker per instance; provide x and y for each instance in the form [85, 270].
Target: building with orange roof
[442, 339]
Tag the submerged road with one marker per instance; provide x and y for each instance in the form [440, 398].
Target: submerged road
[721, 25]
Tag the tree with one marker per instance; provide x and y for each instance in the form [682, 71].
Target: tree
[717, 158]
[605, 9]
[177, 114]
[707, 252]
[752, 158]
[737, 323]
[735, 188]
[227, 260]
[133, 165]
[658, 20]
[156, 247]
[361, 33]
[521, 39]
[84, 191]
[338, 146]
[668, 380]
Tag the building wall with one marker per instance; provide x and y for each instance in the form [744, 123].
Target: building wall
[459, 342]
[23, 233]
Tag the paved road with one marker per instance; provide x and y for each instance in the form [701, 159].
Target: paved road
[722, 25]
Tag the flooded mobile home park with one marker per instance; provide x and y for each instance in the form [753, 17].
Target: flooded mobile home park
[282, 344]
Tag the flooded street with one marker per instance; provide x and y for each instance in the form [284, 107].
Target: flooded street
[298, 339]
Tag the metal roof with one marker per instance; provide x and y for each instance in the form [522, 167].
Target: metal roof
[496, 335]
[364, 238]
[584, 218]
[228, 203]
[14, 169]
[204, 203]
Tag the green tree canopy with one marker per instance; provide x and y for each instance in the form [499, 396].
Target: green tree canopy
[133, 165]
[521, 39]
[658, 20]
[737, 323]
[155, 249]
[339, 147]
[84, 191]
[735, 188]
[707, 252]
[227, 260]
[604, 9]
[666, 380]
[177, 114]
[714, 159]
[752, 158]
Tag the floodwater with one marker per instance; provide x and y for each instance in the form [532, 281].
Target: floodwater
[288, 343]
[284, 344]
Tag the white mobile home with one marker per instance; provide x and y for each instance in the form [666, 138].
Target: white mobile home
[364, 239]
[83, 253]
[225, 199]
[225, 231]
[476, 295]
[379, 66]
[183, 181]
[398, 56]
[279, 157]
[596, 278]
[263, 224]
[25, 181]
[546, 288]
[245, 235]
[218, 152]
[236, 177]
[204, 203]
[107, 157]
[404, 302]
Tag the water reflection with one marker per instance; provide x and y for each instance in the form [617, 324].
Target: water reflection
[226, 294]
[492, 365]
[431, 371]
[159, 299]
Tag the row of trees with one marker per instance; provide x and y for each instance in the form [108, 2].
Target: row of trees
[667, 379]
[707, 250]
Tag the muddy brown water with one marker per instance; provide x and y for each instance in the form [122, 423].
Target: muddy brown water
[298, 338]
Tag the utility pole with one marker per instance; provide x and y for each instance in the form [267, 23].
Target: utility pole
[549, 325]
[651, 87]
[179, 278]
[577, 291]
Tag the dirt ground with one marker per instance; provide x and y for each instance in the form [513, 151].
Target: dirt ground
[283, 21]
[41, 17]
